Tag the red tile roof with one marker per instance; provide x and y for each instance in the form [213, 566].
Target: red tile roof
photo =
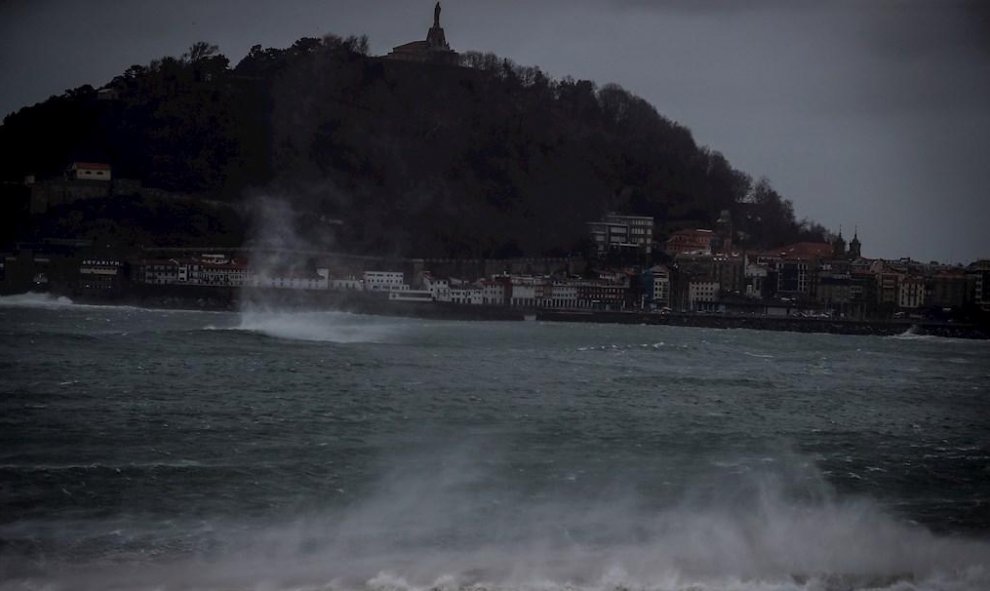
[803, 250]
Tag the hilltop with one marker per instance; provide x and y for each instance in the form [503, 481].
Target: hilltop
[476, 158]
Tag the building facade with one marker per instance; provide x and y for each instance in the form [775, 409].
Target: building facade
[622, 232]
[384, 281]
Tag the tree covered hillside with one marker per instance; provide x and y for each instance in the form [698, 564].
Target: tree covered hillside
[488, 159]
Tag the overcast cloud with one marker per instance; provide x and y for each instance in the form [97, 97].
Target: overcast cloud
[864, 113]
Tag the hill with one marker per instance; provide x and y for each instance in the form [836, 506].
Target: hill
[480, 159]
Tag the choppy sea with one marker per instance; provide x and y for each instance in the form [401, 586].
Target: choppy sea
[266, 450]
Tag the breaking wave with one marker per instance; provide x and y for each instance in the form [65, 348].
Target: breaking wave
[35, 300]
[56, 302]
[326, 326]
[914, 334]
[433, 525]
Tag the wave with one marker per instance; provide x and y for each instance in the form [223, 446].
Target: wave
[51, 301]
[324, 326]
[11, 467]
[442, 529]
[35, 300]
[916, 334]
[620, 347]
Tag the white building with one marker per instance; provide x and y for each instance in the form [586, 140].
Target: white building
[439, 288]
[493, 293]
[523, 294]
[911, 293]
[384, 281]
[661, 286]
[231, 274]
[98, 273]
[467, 294]
[702, 294]
[755, 277]
[311, 282]
[89, 171]
[560, 296]
[160, 272]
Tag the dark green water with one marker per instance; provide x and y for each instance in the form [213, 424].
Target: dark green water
[188, 450]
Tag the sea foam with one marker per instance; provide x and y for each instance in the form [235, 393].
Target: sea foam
[35, 300]
[327, 326]
[435, 530]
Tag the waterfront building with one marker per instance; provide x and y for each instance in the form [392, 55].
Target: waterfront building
[411, 295]
[702, 295]
[523, 295]
[159, 272]
[911, 292]
[656, 287]
[730, 272]
[794, 278]
[205, 270]
[560, 295]
[495, 290]
[384, 281]
[948, 289]
[834, 290]
[214, 270]
[862, 293]
[887, 282]
[755, 280]
[601, 295]
[100, 275]
[467, 294]
[346, 284]
[305, 281]
[980, 273]
[439, 288]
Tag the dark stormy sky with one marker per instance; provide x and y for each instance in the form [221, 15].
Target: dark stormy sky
[873, 113]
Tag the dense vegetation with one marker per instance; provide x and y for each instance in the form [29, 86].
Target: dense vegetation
[487, 159]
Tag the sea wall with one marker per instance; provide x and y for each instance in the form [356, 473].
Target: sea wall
[224, 298]
[781, 323]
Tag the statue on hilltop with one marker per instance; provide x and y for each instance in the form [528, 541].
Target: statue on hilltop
[435, 38]
[434, 49]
